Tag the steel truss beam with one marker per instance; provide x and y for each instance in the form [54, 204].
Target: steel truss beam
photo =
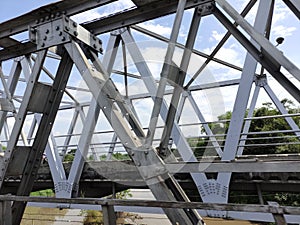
[78, 46]
[134, 16]
[102, 91]
[269, 63]
[44, 13]
[294, 5]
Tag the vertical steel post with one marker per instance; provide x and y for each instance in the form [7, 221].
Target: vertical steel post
[278, 216]
[109, 215]
[248, 122]
[5, 213]
[240, 105]
[179, 81]
[41, 139]
[165, 72]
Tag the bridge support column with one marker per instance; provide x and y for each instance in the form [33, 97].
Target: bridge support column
[5, 213]
[109, 216]
[278, 216]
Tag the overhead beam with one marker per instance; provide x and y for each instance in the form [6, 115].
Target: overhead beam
[67, 7]
[130, 17]
[234, 167]
[139, 15]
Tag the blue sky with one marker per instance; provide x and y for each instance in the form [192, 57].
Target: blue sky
[12, 8]
[210, 32]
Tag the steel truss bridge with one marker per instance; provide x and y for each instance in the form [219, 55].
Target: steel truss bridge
[108, 86]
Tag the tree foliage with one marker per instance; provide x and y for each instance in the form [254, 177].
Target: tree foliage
[267, 134]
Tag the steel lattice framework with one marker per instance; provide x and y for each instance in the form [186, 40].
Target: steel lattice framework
[62, 91]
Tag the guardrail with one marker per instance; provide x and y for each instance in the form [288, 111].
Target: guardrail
[108, 204]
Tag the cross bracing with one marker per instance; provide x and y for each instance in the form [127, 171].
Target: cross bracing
[112, 85]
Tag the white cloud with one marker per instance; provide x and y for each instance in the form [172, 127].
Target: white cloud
[216, 36]
[281, 21]
[103, 11]
[229, 54]
[283, 31]
[157, 28]
[87, 16]
[281, 12]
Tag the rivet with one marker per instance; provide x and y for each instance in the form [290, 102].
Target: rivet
[75, 33]
[74, 24]
[45, 38]
[47, 31]
[43, 45]
[63, 39]
[60, 33]
[57, 28]
[67, 28]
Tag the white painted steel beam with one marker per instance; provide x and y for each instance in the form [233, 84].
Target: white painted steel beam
[256, 35]
[145, 159]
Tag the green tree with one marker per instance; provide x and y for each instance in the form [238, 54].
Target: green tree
[116, 156]
[262, 139]
[69, 157]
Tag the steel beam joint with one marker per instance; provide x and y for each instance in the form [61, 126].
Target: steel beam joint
[206, 8]
[61, 30]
